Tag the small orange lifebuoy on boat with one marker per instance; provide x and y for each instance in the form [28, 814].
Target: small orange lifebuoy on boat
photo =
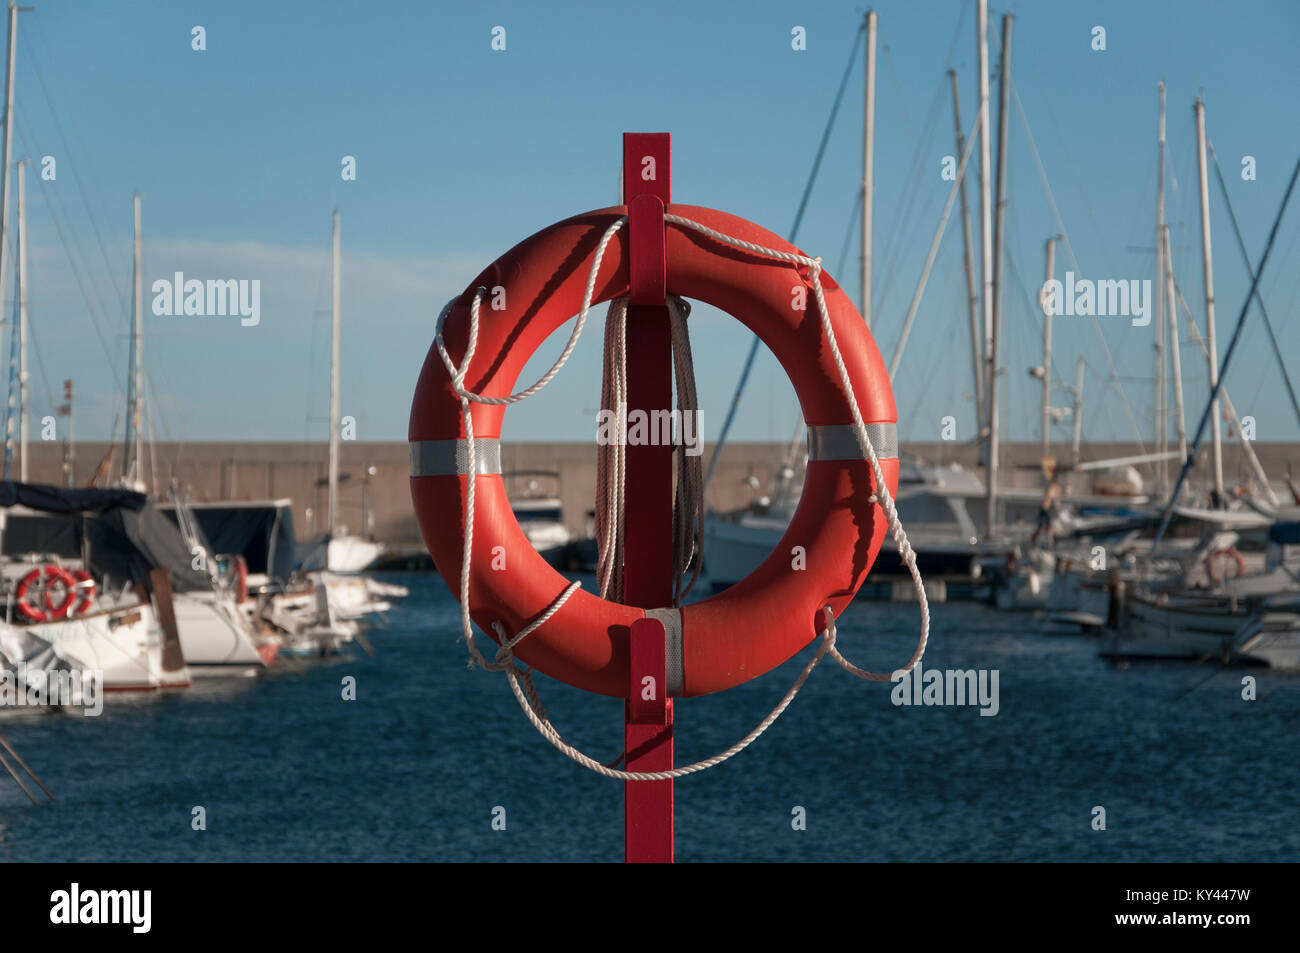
[837, 528]
[1212, 563]
[34, 595]
[241, 579]
[85, 584]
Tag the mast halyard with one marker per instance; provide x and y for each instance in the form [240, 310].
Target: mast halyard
[972, 295]
[1216, 426]
[1162, 397]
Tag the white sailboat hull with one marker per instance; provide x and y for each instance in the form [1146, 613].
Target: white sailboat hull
[1273, 639]
[1203, 630]
[213, 640]
[123, 645]
[732, 550]
[351, 553]
[354, 596]
[1172, 631]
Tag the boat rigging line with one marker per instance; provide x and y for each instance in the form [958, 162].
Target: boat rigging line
[930, 256]
[22, 764]
[794, 231]
[48, 193]
[848, 234]
[1069, 248]
[1245, 257]
[35, 60]
[1231, 410]
[1227, 357]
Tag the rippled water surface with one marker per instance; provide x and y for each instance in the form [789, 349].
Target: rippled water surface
[412, 770]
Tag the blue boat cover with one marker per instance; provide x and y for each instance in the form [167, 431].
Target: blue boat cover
[116, 533]
[57, 499]
[1287, 534]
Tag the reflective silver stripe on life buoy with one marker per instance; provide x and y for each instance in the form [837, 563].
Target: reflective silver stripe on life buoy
[839, 442]
[673, 674]
[451, 457]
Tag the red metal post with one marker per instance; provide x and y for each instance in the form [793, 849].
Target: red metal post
[647, 560]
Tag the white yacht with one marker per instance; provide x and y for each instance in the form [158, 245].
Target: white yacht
[1250, 617]
[305, 603]
[540, 515]
[939, 506]
[351, 553]
[60, 608]
[126, 648]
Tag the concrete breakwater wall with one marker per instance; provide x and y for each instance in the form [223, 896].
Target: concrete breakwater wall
[376, 474]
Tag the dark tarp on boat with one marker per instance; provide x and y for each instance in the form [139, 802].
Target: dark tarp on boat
[260, 532]
[1285, 534]
[57, 499]
[118, 534]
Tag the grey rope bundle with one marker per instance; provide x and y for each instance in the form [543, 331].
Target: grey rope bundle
[611, 459]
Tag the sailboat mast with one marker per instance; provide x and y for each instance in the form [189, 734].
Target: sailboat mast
[868, 162]
[22, 321]
[1162, 396]
[1174, 345]
[1231, 412]
[1047, 351]
[1208, 266]
[138, 293]
[986, 211]
[993, 304]
[972, 296]
[986, 244]
[132, 445]
[1078, 414]
[334, 384]
[7, 147]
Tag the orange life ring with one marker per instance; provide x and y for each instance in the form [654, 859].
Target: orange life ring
[1211, 562]
[85, 584]
[37, 606]
[756, 624]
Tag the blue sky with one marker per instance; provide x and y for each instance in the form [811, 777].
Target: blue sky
[462, 151]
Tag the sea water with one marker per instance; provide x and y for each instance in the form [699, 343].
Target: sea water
[434, 762]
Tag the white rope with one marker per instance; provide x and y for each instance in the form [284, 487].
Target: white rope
[458, 373]
[611, 457]
[527, 698]
[521, 681]
[882, 494]
[458, 384]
